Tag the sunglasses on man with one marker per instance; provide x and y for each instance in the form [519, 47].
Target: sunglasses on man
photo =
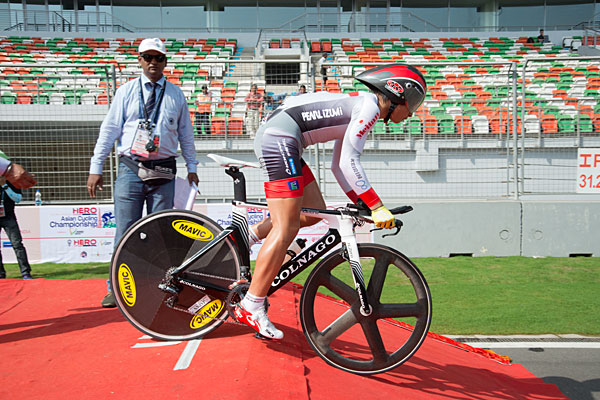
[158, 57]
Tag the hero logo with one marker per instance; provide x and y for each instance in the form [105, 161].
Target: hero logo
[394, 87]
[368, 126]
[83, 243]
[85, 210]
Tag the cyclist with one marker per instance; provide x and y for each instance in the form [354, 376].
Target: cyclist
[397, 92]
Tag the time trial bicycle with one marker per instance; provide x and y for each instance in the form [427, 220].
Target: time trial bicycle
[177, 275]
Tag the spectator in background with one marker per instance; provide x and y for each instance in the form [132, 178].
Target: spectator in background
[9, 196]
[302, 89]
[202, 116]
[15, 173]
[269, 104]
[323, 68]
[541, 38]
[272, 102]
[147, 130]
[254, 104]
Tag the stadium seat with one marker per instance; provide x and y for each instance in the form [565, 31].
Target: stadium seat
[480, 124]
[445, 124]
[413, 125]
[532, 124]
[235, 125]
[566, 124]
[430, 125]
[549, 123]
[463, 124]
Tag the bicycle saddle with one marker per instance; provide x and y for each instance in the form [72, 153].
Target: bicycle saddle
[230, 162]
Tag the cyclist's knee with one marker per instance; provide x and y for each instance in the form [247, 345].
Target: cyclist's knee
[286, 233]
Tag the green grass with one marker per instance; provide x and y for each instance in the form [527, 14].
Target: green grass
[486, 295]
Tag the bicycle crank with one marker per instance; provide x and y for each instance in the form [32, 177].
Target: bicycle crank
[236, 295]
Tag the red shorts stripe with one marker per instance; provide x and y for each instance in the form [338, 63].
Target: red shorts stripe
[285, 188]
[307, 174]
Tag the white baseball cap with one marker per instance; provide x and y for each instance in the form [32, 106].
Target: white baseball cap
[152, 44]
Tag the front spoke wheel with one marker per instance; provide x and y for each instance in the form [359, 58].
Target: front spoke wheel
[390, 335]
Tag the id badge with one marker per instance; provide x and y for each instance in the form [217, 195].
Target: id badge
[138, 147]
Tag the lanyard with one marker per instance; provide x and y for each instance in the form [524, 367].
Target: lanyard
[154, 117]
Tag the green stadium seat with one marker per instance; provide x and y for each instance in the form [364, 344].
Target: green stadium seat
[586, 124]
[445, 124]
[566, 124]
[8, 99]
[379, 128]
[413, 125]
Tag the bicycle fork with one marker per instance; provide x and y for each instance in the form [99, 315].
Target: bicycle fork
[350, 253]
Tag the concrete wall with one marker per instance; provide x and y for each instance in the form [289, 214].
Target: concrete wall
[498, 228]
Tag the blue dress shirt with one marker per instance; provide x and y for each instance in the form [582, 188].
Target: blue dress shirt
[120, 124]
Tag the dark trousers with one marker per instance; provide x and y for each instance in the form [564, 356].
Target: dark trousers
[11, 227]
[203, 121]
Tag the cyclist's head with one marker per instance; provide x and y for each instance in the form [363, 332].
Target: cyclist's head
[401, 83]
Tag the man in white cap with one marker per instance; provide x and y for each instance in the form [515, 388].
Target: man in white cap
[148, 118]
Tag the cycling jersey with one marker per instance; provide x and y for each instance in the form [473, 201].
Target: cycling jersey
[312, 118]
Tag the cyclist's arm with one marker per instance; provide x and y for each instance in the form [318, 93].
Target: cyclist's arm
[339, 175]
[350, 173]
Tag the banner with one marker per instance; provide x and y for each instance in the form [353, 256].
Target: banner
[85, 233]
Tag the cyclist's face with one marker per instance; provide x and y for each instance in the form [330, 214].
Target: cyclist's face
[400, 113]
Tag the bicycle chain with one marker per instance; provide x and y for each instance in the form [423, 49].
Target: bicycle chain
[170, 302]
[185, 310]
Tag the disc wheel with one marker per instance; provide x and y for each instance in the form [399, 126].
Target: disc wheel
[162, 241]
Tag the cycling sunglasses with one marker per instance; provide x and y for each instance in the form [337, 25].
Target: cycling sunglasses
[158, 57]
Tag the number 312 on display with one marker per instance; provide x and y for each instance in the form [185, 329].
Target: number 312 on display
[588, 170]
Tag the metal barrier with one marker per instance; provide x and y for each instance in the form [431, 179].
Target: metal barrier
[475, 136]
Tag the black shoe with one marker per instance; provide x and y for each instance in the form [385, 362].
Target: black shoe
[3, 276]
[109, 301]
[27, 277]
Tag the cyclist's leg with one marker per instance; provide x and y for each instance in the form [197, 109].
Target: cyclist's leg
[313, 198]
[285, 220]
[285, 217]
[278, 148]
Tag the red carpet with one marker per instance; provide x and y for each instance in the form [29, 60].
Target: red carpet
[57, 342]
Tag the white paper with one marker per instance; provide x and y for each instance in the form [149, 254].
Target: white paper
[185, 194]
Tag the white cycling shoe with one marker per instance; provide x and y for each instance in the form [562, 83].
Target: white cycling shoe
[259, 321]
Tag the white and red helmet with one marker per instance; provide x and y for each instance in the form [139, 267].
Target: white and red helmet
[401, 83]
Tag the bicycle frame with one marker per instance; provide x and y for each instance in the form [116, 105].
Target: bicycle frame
[341, 231]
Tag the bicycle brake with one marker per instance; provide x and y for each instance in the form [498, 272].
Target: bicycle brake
[398, 225]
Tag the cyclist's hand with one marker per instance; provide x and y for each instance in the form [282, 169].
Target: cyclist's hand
[383, 218]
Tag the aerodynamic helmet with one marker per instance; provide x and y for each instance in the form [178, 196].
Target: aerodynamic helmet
[401, 83]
